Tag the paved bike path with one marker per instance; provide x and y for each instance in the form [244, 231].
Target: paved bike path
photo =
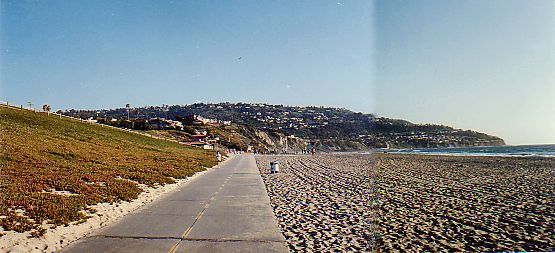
[225, 210]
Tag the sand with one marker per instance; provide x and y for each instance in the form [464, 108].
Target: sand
[398, 203]
[458, 203]
[105, 214]
[321, 202]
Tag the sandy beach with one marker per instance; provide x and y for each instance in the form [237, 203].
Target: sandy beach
[466, 203]
[321, 202]
[413, 202]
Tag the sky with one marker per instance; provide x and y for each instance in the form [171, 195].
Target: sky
[103, 54]
[472, 64]
[481, 65]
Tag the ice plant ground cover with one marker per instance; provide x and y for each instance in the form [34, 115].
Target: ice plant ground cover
[53, 168]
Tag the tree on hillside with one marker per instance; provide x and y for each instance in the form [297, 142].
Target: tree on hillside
[46, 108]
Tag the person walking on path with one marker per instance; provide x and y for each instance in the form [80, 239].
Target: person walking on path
[218, 156]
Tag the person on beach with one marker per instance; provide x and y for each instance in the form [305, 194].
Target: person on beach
[218, 156]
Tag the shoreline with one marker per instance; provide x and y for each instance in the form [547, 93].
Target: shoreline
[384, 152]
[105, 214]
[539, 150]
[468, 154]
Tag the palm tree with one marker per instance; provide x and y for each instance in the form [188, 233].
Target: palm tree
[46, 108]
[127, 106]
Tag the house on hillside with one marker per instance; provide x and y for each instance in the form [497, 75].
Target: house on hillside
[158, 123]
[201, 132]
[164, 124]
[200, 144]
[199, 138]
[176, 124]
[91, 120]
[212, 140]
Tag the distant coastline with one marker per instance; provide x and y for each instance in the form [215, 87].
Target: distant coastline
[329, 129]
[541, 150]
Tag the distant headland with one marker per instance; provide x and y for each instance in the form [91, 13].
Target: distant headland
[277, 127]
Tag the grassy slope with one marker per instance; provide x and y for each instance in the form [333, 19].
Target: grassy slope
[42, 153]
[230, 136]
[170, 135]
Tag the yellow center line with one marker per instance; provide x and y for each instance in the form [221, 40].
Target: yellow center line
[199, 215]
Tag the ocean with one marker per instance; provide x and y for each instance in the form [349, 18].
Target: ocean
[523, 150]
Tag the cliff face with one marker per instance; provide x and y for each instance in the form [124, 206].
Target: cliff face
[241, 137]
[272, 141]
[341, 146]
[400, 142]
[446, 145]
[354, 146]
[279, 142]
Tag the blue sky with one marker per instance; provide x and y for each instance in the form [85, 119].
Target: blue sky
[103, 54]
[483, 65]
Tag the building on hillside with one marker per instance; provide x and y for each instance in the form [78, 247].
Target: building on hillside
[176, 124]
[158, 123]
[199, 138]
[212, 140]
[91, 120]
[201, 131]
[200, 144]
[214, 122]
[164, 124]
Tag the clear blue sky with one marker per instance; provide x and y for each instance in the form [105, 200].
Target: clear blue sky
[104, 54]
[483, 65]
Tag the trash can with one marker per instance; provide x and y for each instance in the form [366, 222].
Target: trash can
[274, 167]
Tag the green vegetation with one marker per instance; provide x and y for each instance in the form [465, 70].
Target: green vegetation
[176, 135]
[53, 168]
[232, 136]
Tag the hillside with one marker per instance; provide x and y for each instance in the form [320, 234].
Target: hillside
[332, 128]
[52, 168]
[241, 137]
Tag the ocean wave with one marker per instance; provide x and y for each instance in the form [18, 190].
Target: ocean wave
[508, 151]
